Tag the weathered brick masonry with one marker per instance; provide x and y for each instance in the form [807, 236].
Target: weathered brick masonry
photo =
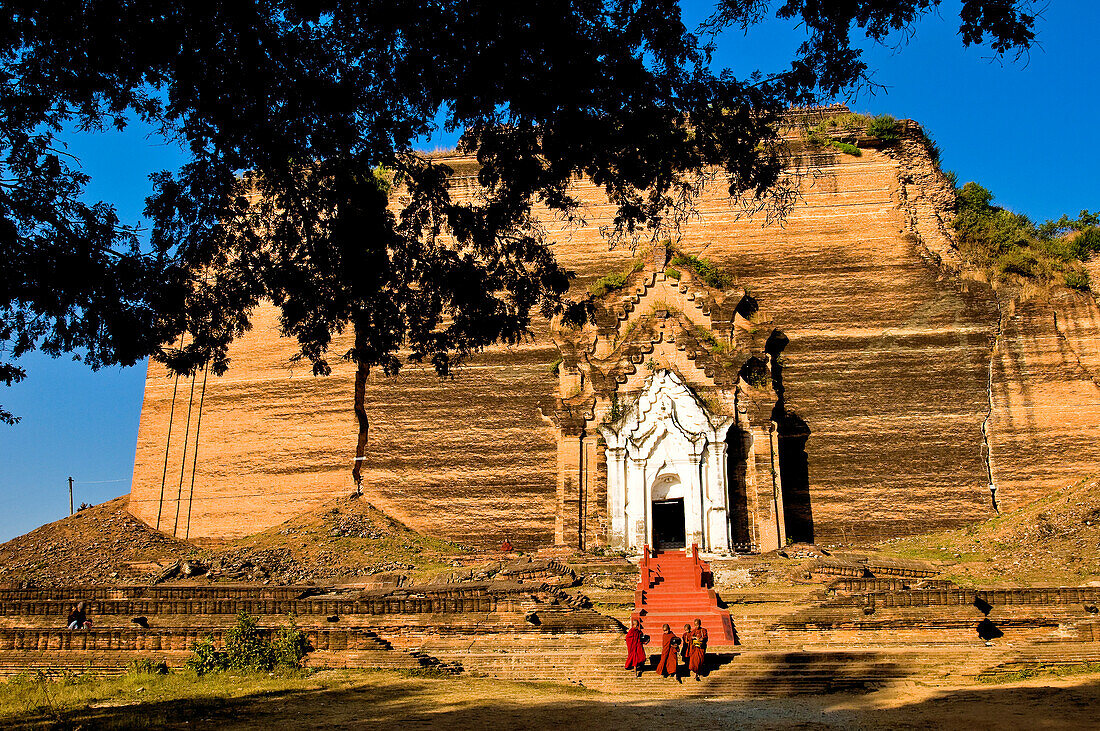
[888, 365]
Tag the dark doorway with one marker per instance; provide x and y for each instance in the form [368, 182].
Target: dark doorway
[736, 480]
[794, 476]
[794, 462]
[668, 524]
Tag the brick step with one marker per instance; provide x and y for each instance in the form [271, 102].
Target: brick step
[363, 659]
[930, 624]
[132, 591]
[257, 606]
[667, 607]
[116, 662]
[1050, 596]
[157, 639]
[53, 664]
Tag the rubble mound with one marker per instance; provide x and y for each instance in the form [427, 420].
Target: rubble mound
[103, 544]
[1052, 541]
[345, 540]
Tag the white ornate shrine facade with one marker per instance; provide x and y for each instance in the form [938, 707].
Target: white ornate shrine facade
[670, 414]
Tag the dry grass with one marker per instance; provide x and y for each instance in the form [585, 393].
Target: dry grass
[133, 700]
[1052, 541]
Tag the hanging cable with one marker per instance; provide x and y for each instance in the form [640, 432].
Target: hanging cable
[168, 443]
[195, 452]
[183, 462]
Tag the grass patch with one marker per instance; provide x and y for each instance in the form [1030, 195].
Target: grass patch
[1047, 542]
[840, 131]
[1025, 671]
[135, 700]
[705, 271]
[704, 336]
[1007, 246]
[617, 280]
[884, 128]
[608, 283]
[343, 698]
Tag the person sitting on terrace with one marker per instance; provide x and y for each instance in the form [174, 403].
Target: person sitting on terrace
[78, 618]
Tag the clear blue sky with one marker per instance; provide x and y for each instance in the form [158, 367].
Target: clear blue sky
[1027, 132]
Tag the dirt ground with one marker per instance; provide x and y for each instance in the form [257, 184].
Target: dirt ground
[341, 699]
[428, 706]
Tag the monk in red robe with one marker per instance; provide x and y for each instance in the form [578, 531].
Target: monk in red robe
[698, 651]
[685, 645]
[670, 647]
[635, 647]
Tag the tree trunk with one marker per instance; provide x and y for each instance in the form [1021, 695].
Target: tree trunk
[361, 373]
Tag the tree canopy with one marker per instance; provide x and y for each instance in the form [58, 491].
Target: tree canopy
[299, 116]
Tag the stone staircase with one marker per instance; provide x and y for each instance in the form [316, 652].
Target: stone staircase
[849, 636]
[597, 663]
[346, 628]
[674, 588]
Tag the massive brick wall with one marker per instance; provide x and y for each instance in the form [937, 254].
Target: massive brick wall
[888, 364]
[1045, 422]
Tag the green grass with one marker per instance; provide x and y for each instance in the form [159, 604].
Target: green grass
[1009, 246]
[34, 698]
[608, 283]
[1004, 550]
[617, 280]
[704, 270]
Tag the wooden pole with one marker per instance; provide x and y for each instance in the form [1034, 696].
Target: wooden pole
[70, 495]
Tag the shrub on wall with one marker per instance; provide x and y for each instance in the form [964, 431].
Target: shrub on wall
[1007, 244]
[884, 128]
[608, 283]
[1077, 279]
[707, 272]
[247, 647]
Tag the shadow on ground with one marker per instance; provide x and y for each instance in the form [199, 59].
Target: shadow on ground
[389, 701]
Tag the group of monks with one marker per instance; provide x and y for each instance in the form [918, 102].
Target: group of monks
[691, 647]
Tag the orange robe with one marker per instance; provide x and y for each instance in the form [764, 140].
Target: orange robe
[635, 649]
[667, 664]
[698, 649]
[685, 647]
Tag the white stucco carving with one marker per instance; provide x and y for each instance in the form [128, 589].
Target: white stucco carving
[667, 445]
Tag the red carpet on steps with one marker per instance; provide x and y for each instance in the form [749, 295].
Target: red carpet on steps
[678, 593]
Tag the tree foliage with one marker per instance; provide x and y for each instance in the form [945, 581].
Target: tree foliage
[289, 112]
[1006, 244]
[830, 61]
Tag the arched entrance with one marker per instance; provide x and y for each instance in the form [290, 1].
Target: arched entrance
[669, 518]
[666, 464]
